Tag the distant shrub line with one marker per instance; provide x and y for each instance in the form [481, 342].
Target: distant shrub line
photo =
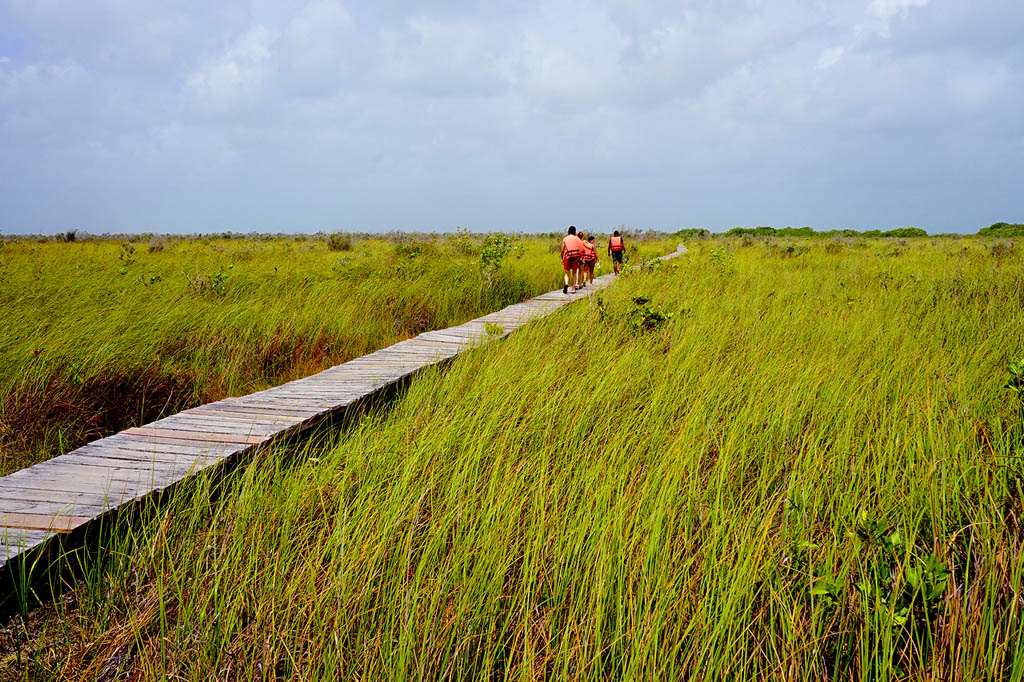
[343, 241]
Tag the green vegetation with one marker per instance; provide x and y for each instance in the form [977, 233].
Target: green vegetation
[771, 461]
[1002, 230]
[102, 334]
[899, 232]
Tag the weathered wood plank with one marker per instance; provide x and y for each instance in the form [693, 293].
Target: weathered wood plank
[41, 522]
[195, 435]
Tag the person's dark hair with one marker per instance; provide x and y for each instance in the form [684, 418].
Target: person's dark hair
[590, 238]
[616, 233]
[572, 229]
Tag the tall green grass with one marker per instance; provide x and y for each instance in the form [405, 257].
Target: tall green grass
[101, 335]
[753, 463]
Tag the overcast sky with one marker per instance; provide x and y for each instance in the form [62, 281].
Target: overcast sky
[279, 115]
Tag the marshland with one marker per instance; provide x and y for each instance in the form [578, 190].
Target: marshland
[773, 458]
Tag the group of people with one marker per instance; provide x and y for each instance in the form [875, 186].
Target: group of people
[579, 257]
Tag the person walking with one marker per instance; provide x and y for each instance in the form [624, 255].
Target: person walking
[572, 257]
[616, 249]
[590, 258]
[581, 272]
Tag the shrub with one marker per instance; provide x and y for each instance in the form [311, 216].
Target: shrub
[1001, 250]
[340, 241]
[692, 233]
[1002, 230]
[157, 243]
[906, 232]
[644, 318]
[762, 231]
[495, 249]
[461, 241]
[203, 284]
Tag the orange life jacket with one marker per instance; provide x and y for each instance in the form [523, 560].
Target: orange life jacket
[615, 243]
[572, 247]
[590, 252]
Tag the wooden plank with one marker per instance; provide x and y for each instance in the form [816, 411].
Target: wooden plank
[164, 445]
[16, 537]
[140, 459]
[223, 427]
[195, 435]
[52, 508]
[110, 461]
[41, 522]
[241, 411]
[13, 492]
[74, 477]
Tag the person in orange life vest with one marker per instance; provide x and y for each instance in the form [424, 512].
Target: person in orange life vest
[590, 258]
[616, 247]
[581, 273]
[572, 254]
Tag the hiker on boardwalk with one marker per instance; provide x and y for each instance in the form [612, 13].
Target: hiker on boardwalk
[572, 258]
[581, 272]
[590, 258]
[616, 248]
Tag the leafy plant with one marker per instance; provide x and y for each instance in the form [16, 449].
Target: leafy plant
[496, 248]
[645, 318]
[462, 241]
[127, 255]
[339, 241]
[723, 260]
[1015, 381]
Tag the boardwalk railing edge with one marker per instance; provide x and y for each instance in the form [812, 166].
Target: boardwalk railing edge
[52, 507]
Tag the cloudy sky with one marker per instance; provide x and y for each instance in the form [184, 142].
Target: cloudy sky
[267, 115]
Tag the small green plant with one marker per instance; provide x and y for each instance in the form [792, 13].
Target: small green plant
[645, 318]
[496, 248]
[723, 260]
[203, 284]
[408, 251]
[492, 330]
[127, 255]
[339, 241]
[1015, 381]
[462, 241]
[827, 589]
[157, 243]
[929, 579]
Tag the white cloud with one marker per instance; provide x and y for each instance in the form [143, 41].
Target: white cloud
[830, 57]
[237, 73]
[880, 14]
[318, 35]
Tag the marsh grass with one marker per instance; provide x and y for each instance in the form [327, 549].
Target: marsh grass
[99, 335]
[809, 470]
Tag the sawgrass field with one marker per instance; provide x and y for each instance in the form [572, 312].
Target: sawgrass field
[104, 334]
[767, 459]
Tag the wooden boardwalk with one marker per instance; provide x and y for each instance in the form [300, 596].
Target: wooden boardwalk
[66, 495]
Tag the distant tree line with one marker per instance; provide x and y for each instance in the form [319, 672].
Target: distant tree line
[1002, 230]
[339, 240]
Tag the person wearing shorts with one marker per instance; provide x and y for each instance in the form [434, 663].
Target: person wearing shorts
[616, 247]
[572, 259]
[590, 258]
[581, 271]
